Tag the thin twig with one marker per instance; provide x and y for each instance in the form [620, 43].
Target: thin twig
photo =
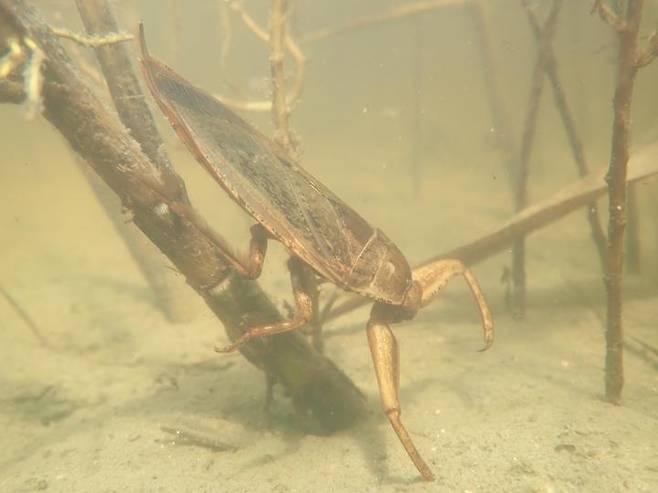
[280, 109]
[521, 186]
[293, 50]
[34, 328]
[95, 40]
[575, 143]
[645, 56]
[609, 16]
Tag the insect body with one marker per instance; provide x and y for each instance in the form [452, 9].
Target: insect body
[326, 238]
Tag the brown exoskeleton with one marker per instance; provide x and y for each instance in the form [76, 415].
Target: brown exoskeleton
[327, 239]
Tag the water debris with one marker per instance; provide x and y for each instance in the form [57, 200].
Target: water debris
[25, 316]
[185, 435]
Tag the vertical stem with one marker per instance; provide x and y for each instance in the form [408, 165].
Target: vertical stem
[280, 110]
[521, 192]
[25, 316]
[616, 179]
[598, 235]
[632, 249]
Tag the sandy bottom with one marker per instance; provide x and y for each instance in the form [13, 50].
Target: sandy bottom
[92, 412]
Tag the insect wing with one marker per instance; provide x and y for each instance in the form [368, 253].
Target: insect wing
[296, 208]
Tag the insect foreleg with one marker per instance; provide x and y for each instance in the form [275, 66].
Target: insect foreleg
[435, 276]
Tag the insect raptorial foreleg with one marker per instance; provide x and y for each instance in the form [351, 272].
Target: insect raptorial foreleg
[303, 312]
[385, 356]
[433, 277]
[249, 266]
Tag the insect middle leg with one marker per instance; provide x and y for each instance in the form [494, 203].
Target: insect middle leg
[299, 273]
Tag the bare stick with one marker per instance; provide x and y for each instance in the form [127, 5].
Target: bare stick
[572, 197]
[293, 50]
[280, 110]
[627, 65]
[614, 16]
[521, 186]
[36, 331]
[598, 235]
[395, 13]
[313, 381]
[94, 41]
[134, 113]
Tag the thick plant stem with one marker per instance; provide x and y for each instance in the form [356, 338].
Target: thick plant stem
[616, 179]
[133, 111]
[153, 196]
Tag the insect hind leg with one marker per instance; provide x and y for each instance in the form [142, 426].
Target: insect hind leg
[386, 359]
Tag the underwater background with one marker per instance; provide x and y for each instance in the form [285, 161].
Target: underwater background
[394, 118]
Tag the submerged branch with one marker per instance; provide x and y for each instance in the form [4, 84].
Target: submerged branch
[572, 197]
[313, 381]
[131, 107]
